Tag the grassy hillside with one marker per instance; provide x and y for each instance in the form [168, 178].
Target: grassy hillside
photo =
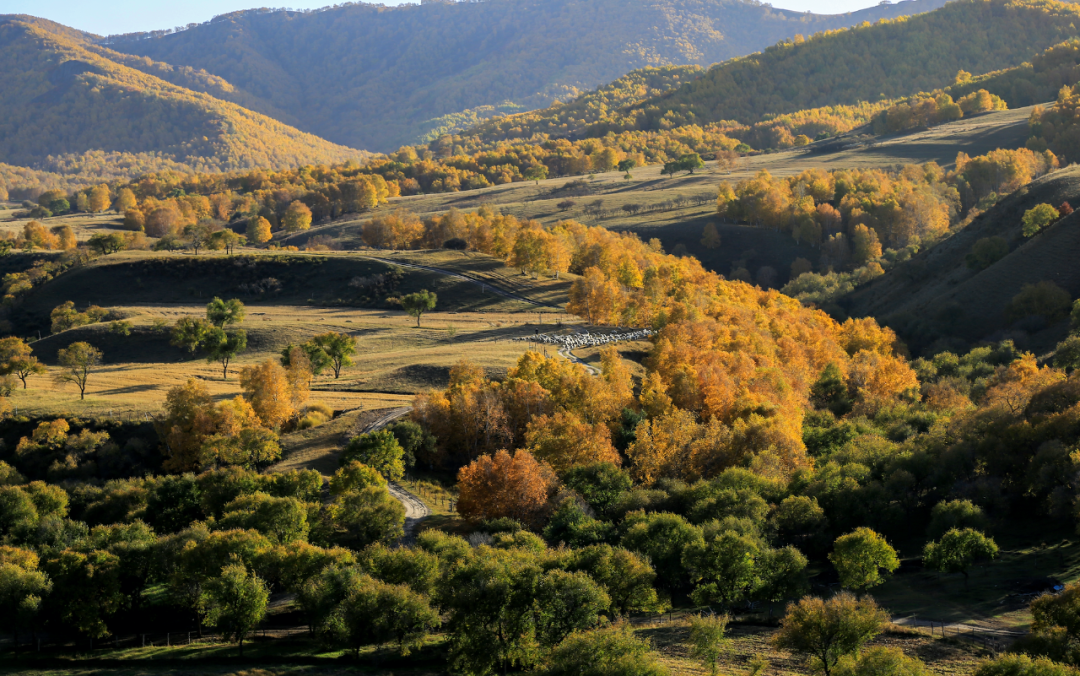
[69, 102]
[866, 63]
[937, 300]
[381, 75]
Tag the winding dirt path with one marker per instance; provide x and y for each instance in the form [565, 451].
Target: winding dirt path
[415, 510]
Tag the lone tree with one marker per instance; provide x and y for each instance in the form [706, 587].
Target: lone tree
[860, 556]
[16, 360]
[223, 346]
[416, 304]
[340, 347]
[225, 239]
[221, 312]
[707, 642]
[236, 602]
[536, 174]
[77, 362]
[826, 631]
[958, 550]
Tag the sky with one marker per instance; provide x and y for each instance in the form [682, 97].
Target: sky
[128, 16]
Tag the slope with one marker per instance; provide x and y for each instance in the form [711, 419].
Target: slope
[867, 63]
[376, 77]
[935, 300]
[63, 99]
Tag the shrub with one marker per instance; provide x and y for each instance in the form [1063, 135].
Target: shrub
[1045, 299]
[986, 252]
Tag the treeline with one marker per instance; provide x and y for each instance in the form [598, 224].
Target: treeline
[851, 214]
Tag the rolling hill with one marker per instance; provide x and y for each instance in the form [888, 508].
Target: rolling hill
[936, 300]
[67, 103]
[376, 77]
[871, 63]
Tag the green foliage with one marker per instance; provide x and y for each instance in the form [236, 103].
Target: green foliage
[221, 312]
[860, 557]
[223, 346]
[661, 538]
[1067, 354]
[707, 642]
[283, 520]
[86, 589]
[1038, 218]
[369, 611]
[627, 577]
[378, 450]
[958, 550]
[825, 631]
[987, 251]
[956, 514]
[612, 651]
[354, 476]
[415, 441]
[416, 304]
[77, 362]
[236, 602]
[1022, 665]
[339, 348]
[1045, 299]
[567, 602]
[880, 662]
[600, 484]
[369, 515]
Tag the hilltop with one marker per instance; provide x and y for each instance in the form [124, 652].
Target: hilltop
[865, 63]
[375, 77]
[66, 102]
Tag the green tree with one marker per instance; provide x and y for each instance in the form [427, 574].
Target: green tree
[723, 568]
[198, 234]
[627, 577]
[106, 244]
[860, 557]
[360, 518]
[950, 514]
[707, 642]
[283, 520]
[236, 602]
[77, 362]
[601, 484]
[225, 239]
[690, 162]
[1067, 354]
[536, 174]
[612, 651]
[189, 333]
[1037, 218]
[1022, 665]
[378, 450]
[828, 630]
[415, 441]
[958, 550]
[662, 538]
[316, 356]
[86, 589]
[223, 346]
[22, 588]
[880, 662]
[987, 251]
[567, 602]
[353, 476]
[416, 304]
[340, 348]
[221, 312]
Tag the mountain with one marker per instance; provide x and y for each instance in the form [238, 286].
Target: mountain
[886, 60]
[67, 102]
[378, 77]
[937, 300]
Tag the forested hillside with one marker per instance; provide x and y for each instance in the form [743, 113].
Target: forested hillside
[867, 63]
[376, 77]
[65, 103]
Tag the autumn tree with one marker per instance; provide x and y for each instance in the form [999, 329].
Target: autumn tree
[16, 360]
[198, 234]
[710, 238]
[416, 304]
[100, 198]
[297, 217]
[1038, 218]
[236, 602]
[563, 440]
[77, 362]
[258, 230]
[271, 394]
[23, 586]
[828, 630]
[860, 557]
[504, 485]
[125, 200]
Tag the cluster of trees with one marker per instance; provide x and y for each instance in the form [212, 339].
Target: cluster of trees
[927, 110]
[852, 213]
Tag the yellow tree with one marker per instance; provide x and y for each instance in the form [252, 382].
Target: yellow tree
[268, 389]
[100, 198]
[564, 440]
[258, 230]
[297, 217]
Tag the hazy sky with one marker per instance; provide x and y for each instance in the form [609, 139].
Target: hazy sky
[127, 16]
